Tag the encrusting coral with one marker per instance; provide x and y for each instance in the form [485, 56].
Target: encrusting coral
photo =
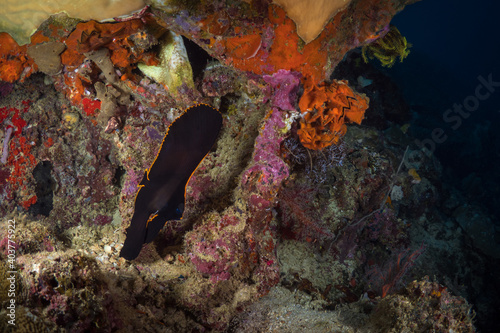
[388, 48]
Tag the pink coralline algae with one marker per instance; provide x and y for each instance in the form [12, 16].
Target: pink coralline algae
[238, 244]
[4, 245]
[260, 184]
[285, 85]
[268, 169]
[214, 247]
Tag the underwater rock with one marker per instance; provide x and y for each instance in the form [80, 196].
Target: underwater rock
[218, 80]
[234, 249]
[421, 305]
[262, 39]
[412, 308]
[479, 227]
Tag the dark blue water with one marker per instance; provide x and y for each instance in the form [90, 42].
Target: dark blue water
[455, 43]
[452, 81]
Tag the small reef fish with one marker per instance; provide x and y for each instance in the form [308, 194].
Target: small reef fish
[161, 193]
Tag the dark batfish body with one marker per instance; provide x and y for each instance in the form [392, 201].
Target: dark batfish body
[161, 193]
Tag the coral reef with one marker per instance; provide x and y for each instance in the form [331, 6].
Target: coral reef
[85, 50]
[289, 215]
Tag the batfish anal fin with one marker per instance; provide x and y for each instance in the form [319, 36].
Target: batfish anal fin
[172, 210]
[136, 234]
